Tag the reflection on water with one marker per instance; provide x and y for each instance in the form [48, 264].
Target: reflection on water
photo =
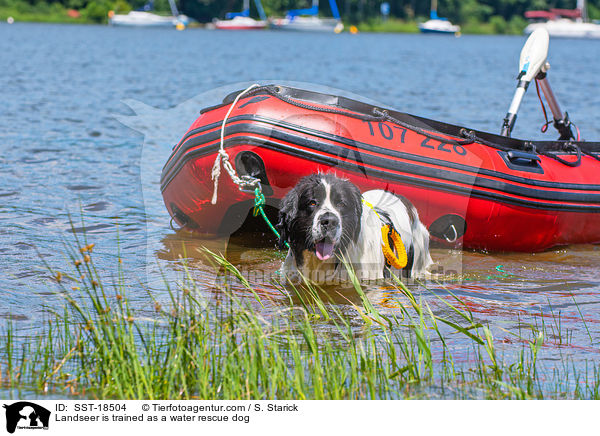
[556, 291]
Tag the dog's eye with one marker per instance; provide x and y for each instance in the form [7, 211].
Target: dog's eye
[339, 202]
[312, 203]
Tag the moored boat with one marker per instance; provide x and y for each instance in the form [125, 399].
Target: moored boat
[242, 20]
[472, 189]
[437, 24]
[308, 20]
[142, 19]
[240, 23]
[145, 18]
[564, 23]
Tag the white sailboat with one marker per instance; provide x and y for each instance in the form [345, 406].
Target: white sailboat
[307, 20]
[145, 18]
[562, 23]
[438, 24]
[242, 20]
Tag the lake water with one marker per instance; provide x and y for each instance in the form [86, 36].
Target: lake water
[89, 114]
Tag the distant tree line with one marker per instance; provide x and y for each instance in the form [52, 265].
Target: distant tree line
[459, 11]
[353, 11]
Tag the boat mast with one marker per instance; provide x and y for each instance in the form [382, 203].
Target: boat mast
[582, 10]
[433, 13]
[173, 6]
[261, 11]
[334, 10]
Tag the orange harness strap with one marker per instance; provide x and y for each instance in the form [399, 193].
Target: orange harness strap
[400, 260]
[388, 232]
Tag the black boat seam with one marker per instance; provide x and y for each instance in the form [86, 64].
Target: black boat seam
[372, 148]
[441, 173]
[440, 185]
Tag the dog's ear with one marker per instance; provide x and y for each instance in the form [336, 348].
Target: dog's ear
[287, 215]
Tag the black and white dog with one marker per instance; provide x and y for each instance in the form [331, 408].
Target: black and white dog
[325, 218]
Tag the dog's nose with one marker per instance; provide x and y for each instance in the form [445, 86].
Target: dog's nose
[328, 221]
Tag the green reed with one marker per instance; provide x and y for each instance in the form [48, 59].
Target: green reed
[101, 346]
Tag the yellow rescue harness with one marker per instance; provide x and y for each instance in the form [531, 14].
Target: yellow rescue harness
[389, 233]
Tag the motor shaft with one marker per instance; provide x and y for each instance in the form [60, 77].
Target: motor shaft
[511, 116]
[561, 120]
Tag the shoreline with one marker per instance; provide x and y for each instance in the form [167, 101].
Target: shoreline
[371, 26]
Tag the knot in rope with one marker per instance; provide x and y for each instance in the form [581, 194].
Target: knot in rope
[259, 201]
[223, 157]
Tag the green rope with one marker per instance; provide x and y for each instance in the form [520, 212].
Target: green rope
[259, 202]
[500, 268]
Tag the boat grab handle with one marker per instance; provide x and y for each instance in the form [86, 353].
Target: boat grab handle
[514, 154]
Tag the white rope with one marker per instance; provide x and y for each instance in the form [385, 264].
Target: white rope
[222, 155]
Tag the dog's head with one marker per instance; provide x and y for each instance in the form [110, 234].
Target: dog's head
[321, 214]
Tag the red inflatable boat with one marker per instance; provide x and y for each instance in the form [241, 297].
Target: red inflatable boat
[472, 189]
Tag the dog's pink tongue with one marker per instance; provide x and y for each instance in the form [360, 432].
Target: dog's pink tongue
[324, 250]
